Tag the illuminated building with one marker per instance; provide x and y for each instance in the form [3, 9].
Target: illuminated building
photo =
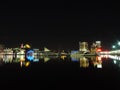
[96, 47]
[83, 47]
[98, 44]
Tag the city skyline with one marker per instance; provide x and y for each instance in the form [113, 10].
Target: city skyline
[60, 25]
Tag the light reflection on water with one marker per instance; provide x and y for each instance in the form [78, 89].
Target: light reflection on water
[84, 61]
[66, 71]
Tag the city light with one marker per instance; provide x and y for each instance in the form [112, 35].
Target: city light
[99, 50]
[113, 46]
[30, 55]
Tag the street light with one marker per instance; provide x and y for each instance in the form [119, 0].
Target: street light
[113, 46]
[119, 43]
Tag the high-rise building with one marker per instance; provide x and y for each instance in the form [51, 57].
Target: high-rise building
[83, 46]
[96, 47]
[98, 44]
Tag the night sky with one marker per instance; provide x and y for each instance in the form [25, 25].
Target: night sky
[59, 24]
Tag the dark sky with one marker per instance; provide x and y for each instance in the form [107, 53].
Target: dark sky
[59, 24]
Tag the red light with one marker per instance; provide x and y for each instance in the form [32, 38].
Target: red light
[99, 50]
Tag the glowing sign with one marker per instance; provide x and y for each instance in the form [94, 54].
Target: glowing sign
[30, 55]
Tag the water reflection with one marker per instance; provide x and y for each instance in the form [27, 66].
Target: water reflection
[83, 61]
[24, 61]
[116, 59]
[68, 70]
[86, 61]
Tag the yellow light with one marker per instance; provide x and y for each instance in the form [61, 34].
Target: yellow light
[27, 46]
[63, 57]
[27, 64]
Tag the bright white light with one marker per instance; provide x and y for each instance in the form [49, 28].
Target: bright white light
[99, 65]
[118, 43]
[113, 46]
[115, 61]
[114, 57]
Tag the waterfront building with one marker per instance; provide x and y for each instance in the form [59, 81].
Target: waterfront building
[83, 47]
[95, 47]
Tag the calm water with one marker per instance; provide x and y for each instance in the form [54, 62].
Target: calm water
[59, 73]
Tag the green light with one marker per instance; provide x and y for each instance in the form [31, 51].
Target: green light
[119, 43]
[113, 46]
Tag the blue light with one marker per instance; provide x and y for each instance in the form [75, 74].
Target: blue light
[74, 59]
[73, 52]
[30, 55]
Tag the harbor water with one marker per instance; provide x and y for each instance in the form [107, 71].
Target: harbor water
[65, 72]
